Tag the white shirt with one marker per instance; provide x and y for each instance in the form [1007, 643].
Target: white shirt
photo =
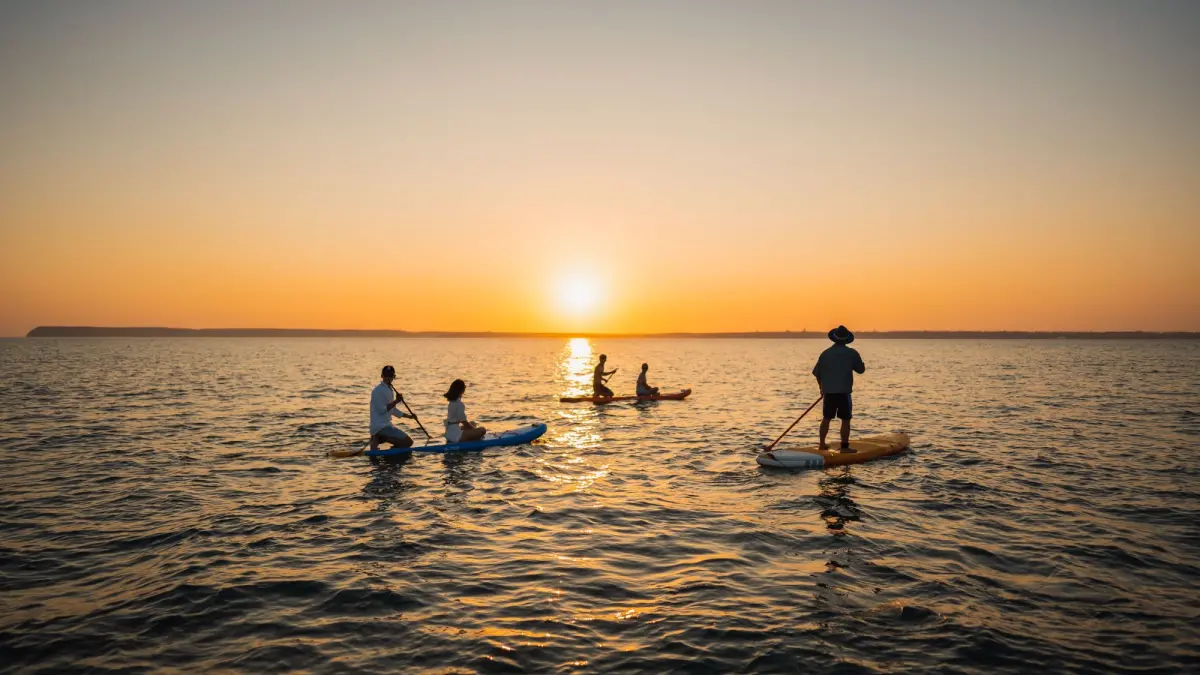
[455, 412]
[381, 396]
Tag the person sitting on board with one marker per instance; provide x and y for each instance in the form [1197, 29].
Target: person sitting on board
[458, 429]
[644, 389]
[383, 407]
[835, 376]
[600, 378]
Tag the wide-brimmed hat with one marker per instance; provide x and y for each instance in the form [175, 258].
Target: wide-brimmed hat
[841, 335]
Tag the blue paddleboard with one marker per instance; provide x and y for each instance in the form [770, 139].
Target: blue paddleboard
[511, 437]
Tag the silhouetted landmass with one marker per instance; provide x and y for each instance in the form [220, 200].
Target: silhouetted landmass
[151, 332]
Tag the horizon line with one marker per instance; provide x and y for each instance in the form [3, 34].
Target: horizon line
[168, 332]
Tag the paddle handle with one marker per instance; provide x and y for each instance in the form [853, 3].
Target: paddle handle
[410, 412]
[785, 432]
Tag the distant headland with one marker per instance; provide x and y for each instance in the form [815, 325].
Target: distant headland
[155, 332]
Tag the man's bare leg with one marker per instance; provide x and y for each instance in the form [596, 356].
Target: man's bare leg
[846, 435]
[824, 433]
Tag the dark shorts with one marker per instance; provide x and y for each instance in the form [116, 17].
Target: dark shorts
[837, 405]
[601, 390]
[390, 435]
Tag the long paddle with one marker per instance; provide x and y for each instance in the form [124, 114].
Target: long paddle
[785, 432]
[410, 412]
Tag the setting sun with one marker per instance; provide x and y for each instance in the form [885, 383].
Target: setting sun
[579, 296]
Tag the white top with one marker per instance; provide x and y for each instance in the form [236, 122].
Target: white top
[381, 396]
[455, 412]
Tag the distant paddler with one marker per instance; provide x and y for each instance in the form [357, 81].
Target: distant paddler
[835, 377]
[383, 408]
[644, 389]
[600, 378]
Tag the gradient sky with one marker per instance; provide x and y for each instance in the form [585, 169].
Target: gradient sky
[709, 166]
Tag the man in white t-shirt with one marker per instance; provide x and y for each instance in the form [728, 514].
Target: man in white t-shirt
[383, 408]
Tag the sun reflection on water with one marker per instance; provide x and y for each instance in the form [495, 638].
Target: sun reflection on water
[575, 367]
[567, 464]
[559, 473]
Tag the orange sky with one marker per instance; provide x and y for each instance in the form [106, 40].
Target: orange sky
[707, 166]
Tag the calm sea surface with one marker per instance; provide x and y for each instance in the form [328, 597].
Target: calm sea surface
[168, 505]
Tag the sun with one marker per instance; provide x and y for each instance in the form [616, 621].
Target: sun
[579, 296]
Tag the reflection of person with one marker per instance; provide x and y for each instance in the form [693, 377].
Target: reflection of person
[383, 408]
[644, 389]
[835, 376]
[600, 378]
[458, 429]
[837, 507]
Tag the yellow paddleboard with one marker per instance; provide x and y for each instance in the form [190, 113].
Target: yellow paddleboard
[867, 449]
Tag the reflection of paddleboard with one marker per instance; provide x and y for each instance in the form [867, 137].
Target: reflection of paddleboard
[868, 449]
[492, 440]
[677, 396]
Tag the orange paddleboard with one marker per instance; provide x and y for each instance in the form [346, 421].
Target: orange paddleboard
[868, 449]
[677, 396]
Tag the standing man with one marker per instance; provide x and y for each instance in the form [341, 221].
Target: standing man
[600, 378]
[835, 376]
[383, 408]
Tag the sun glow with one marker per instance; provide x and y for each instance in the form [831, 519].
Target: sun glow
[579, 296]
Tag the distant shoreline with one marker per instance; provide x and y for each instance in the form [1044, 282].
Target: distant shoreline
[155, 332]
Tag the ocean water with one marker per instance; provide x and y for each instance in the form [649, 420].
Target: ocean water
[167, 505]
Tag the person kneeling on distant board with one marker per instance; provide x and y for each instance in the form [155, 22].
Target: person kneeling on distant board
[600, 378]
[383, 408]
[458, 429]
[644, 389]
[835, 376]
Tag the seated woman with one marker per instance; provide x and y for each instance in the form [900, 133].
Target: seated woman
[644, 389]
[458, 429]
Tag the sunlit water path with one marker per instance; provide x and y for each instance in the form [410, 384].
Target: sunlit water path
[166, 504]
